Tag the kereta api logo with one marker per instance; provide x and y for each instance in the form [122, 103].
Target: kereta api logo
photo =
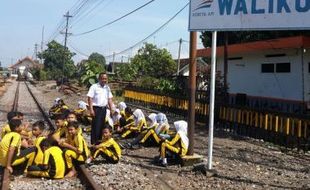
[204, 4]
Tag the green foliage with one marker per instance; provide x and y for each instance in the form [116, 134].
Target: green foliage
[163, 85]
[166, 85]
[98, 58]
[89, 72]
[58, 60]
[126, 72]
[155, 62]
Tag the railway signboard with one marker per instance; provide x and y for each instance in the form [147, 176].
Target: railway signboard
[235, 15]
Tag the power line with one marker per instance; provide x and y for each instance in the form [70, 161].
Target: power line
[85, 15]
[153, 33]
[109, 23]
[76, 8]
[77, 50]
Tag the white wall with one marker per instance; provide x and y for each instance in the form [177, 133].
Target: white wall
[245, 76]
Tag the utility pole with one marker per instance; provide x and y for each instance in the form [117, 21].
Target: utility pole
[42, 43]
[113, 62]
[179, 55]
[68, 16]
[192, 90]
[35, 51]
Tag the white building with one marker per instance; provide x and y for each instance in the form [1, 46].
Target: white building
[26, 63]
[278, 69]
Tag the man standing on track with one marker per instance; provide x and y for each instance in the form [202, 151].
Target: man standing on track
[99, 97]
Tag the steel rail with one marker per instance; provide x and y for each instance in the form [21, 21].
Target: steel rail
[5, 176]
[83, 173]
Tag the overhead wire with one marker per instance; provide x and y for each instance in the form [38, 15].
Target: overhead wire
[61, 24]
[87, 14]
[153, 33]
[109, 23]
[71, 45]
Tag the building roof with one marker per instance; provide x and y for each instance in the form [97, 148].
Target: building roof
[35, 64]
[280, 43]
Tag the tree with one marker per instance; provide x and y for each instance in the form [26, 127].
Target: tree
[98, 58]
[126, 71]
[89, 72]
[155, 62]
[58, 61]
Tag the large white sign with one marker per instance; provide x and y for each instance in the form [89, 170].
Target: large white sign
[232, 15]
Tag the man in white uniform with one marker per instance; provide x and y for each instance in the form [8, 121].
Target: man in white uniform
[99, 97]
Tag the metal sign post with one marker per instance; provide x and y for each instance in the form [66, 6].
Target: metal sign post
[212, 98]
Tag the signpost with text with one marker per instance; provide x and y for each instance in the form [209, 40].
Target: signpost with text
[237, 15]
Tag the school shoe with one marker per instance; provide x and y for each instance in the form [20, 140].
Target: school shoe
[88, 160]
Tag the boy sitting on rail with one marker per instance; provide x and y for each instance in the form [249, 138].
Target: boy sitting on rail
[178, 145]
[139, 124]
[25, 132]
[159, 132]
[38, 136]
[6, 128]
[10, 153]
[108, 149]
[61, 124]
[53, 165]
[76, 148]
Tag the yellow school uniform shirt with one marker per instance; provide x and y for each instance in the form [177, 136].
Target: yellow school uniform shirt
[12, 139]
[79, 142]
[54, 159]
[39, 155]
[112, 145]
[5, 129]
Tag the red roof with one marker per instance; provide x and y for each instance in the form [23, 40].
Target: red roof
[280, 43]
[35, 64]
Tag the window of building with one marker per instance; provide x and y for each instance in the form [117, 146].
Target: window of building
[283, 67]
[267, 68]
[276, 55]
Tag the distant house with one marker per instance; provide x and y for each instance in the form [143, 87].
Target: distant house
[278, 68]
[184, 67]
[27, 62]
[113, 65]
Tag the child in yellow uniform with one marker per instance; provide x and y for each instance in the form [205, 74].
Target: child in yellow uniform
[6, 128]
[61, 124]
[10, 153]
[161, 128]
[122, 106]
[58, 108]
[53, 165]
[126, 121]
[178, 145]
[76, 148]
[37, 132]
[108, 149]
[139, 124]
[82, 114]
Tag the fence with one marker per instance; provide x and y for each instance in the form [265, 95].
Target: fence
[289, 130]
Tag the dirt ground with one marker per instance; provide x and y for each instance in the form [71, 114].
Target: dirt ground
[238, 162]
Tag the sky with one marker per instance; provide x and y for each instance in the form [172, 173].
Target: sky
[22, 23]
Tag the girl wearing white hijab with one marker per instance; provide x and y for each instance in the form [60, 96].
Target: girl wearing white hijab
[178, 145]
[161, 128]
[139, 123]
[122, 106]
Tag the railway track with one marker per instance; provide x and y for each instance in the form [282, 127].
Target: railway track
[83, 173]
